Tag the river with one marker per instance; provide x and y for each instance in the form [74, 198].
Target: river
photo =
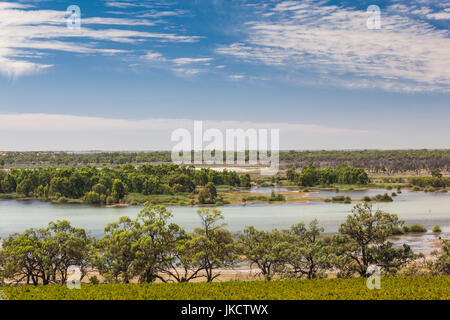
[414, 207]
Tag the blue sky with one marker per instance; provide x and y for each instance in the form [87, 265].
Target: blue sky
[310, 68]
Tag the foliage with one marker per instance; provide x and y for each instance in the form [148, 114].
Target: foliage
[414, 228]
[363, 242]
[343, 174]
[112, 185]
[43, 256]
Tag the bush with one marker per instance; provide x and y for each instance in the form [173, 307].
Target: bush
[417, 228]
[429, 189]
[382, 198]
[416, 188]
[94, 280]
[62, 200]
[437, 229]
[397, 231]
[92, 198]
[367, 199]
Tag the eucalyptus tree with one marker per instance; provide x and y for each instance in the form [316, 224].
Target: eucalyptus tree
[363, 241]
[263, 250]
[212, 244]
[117, 250]
[43, 256]
[304, 252]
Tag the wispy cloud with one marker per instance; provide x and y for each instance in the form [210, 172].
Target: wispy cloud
[186, 67]
[190, 60]
[24, 28]
[334, 44]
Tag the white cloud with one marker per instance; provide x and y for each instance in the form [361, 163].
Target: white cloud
[68, 132]
[187, 71]
[23, 28]
[190, 60]
[334, 44]
[154, 56]
[236, 76]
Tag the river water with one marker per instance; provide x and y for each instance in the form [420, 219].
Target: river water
[414, 207]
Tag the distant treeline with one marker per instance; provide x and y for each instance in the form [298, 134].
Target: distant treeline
[374, 161]
[110, 185]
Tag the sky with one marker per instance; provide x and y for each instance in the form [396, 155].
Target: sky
[137, 70]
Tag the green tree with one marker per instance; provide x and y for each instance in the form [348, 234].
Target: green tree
[157, 244]
[214, 246]
[292, 174]
[43, 256]
[99, 189]
[262, 249]
[117, 250]
[208, 194]
[118, 191]
[245, 181]
[304, 252]
[363, 242]
[436, 173]
[25, 187]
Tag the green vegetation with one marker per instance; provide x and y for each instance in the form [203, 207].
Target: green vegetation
[437, 180]
[311, 176]
[151, 248]
[340, 199]
[261, 198]
[379, 198]
[414, 228]
[374, 161]
[436, 229]
[395, 288]
[113, 185]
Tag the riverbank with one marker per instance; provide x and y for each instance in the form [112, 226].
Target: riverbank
[234, 196]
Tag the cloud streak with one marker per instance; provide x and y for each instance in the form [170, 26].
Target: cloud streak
[23, 27]
[335, 44]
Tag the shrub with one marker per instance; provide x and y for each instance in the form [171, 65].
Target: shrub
[397, 231]
[382, 198]
[62, 200]
[92, 198]
[437, 229]
[94, 280]
[416, 188]
[367, 199]
[417, 228]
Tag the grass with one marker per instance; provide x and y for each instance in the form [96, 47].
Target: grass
[167, 200]
[398, 288]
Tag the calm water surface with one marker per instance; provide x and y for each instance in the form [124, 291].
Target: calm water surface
[414, 207]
